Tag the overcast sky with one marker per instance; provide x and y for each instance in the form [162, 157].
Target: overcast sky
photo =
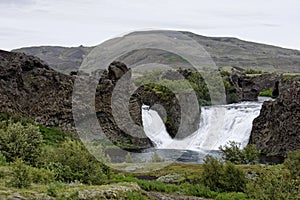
[90, 22]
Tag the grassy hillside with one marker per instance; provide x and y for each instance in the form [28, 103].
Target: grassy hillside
[225, 51]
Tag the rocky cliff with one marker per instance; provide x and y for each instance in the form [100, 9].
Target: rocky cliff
[277, 129]
[29, 88]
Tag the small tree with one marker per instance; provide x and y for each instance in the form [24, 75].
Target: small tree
[223, 177]
[20, 141]
[250, 154]
[213, 171]
[233, 153]
[234, 179]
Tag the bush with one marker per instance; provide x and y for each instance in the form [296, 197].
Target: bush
[233, 153]
[272, 186]
[71, 161]
[42, 176]
[234, 179]
[2, 159]
[250, 154]
[21, 177]
[20, 141]
[225, 73]
[198, 190]
[252, 71]
[292, 162]
[135, 196]
[213, 171]
[223, 177]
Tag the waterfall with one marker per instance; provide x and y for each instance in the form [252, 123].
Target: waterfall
[218, 125]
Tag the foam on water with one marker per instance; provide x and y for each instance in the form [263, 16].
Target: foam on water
[218, 125]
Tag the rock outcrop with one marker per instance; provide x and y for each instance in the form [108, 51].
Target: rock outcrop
[121, 127]
[29, 88]
[247, 88]
[277, 129]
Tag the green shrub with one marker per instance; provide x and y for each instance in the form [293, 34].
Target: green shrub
[15, 118]
[225, 73]
[233, 153]
[213, 172]
[42, 176]
[2, 160]
[21, 177]
[54, 188]
[250, 154]
[154, 185]
[222, 177]
[292, 162]
[198, 190]
[71, 161]
[62, 172]
[234, 179]
[135, 196]
[20, 141]
[273, 186]
[252, 71]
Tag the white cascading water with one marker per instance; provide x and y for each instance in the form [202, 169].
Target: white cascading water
[218, 126]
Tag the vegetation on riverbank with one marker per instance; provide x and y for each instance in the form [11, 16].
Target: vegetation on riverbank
[66, 170]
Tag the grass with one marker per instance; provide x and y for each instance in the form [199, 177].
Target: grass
[266, 93]
[52, 136]
[127, 186]
[252, 71]
[290, 76]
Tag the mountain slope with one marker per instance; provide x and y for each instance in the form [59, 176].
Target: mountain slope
[224, 51]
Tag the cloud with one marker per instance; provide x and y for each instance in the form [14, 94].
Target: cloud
[17, 2]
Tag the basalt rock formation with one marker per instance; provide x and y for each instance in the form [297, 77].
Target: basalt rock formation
[119, 115]
[29, 88]
[247, 87]
[277, 129]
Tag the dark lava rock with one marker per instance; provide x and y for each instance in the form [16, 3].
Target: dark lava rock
[248, 87]
[277, 129]
[29, 88]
